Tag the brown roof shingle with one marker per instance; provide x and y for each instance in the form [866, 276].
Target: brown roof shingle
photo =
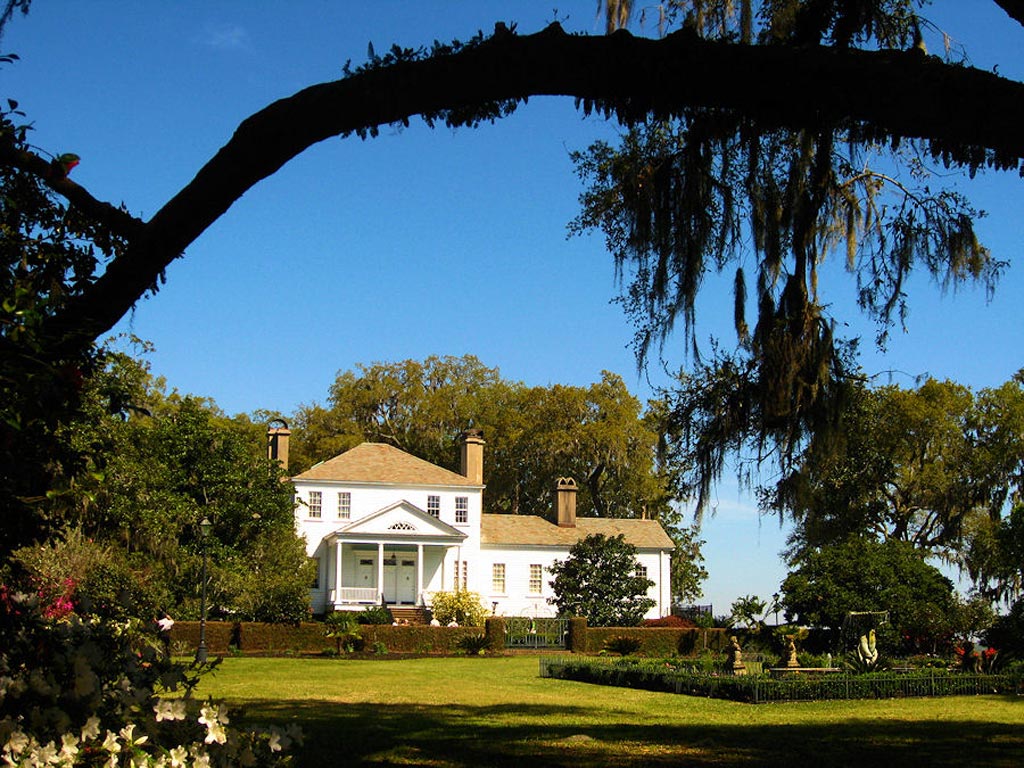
[536, 531]
[382, 463]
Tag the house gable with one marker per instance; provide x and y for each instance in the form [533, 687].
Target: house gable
[397, 521]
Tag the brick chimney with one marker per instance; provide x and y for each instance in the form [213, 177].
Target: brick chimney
[473, 455]
[277, 441]
[565, 494]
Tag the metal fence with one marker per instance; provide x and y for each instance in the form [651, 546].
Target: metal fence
[525, 632]
[659, 676]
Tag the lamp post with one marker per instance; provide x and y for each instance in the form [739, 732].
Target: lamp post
[775, 605]
[204, 533]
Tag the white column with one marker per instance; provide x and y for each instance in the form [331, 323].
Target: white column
[380, 569]
[419, 574]
[337, 572]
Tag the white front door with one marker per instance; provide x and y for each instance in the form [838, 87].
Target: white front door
[399, 579]
[406, 578]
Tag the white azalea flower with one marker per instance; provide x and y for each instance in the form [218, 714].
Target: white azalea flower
[16, 743]
[169, 709]
[91, 729]
[179, 757]
[111, 744]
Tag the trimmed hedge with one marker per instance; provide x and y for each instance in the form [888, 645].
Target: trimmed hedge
[224, 637]
[416, 639]
[661, 676]
[658, 641]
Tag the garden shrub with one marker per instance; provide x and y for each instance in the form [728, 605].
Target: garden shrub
[577, 637]
[674, 622]
[96, 688]
[463, 607]
[474, 645]
[494, 630]
[343, 627]
[374, 614]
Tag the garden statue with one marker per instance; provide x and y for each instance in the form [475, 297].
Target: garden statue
[867, 652]
[790, 658]
[735, 657]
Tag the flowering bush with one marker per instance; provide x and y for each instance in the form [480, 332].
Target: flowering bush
[81, 691]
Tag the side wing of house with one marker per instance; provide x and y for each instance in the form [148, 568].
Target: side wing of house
[518, 552]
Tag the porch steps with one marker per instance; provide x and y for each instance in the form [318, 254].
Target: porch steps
[410, 613]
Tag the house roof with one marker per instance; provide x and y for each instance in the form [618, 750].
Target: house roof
[536, 531]
[382, 463]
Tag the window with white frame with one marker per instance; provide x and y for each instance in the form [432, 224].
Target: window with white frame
[434, 506]
[315, 503]
[461, 509]
[344, 505]
[461, 575]
[641, 571]
[498, 578]
[536, 578]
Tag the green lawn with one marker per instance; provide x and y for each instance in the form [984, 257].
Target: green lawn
[498, 712]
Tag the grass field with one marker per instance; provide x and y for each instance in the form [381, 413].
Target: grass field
[498, 712]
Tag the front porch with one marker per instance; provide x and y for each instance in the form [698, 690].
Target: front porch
[395, 557]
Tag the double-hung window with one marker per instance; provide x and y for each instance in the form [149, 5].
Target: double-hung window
[434, 506]
[536, 578]
[344, 505]
[315, 503]
[498, 578]
[461, 509]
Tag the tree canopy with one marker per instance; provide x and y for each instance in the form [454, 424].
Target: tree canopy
[134, 519]
[860, 575]
[599, 580]
[925, 466]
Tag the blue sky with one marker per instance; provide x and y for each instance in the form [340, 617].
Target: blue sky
[421, 242]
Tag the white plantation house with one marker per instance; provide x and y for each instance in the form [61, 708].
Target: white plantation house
[387, 527]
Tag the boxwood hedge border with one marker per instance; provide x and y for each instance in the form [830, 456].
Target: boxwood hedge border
[665, 677]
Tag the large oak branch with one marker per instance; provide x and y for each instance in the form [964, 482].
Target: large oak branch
[892, 93]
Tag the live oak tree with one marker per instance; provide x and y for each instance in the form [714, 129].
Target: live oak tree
[935, 466]
[843, 79]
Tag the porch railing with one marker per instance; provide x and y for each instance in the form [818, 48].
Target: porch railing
[366, 595]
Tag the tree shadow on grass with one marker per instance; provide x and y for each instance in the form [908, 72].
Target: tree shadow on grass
[455, 735]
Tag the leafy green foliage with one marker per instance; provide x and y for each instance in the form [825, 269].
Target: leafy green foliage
[927, 466]
[863, 575]
[474, 645]
[461, 606]
[374, 614]
[599, 581]
[49, 255]
[157, 475]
